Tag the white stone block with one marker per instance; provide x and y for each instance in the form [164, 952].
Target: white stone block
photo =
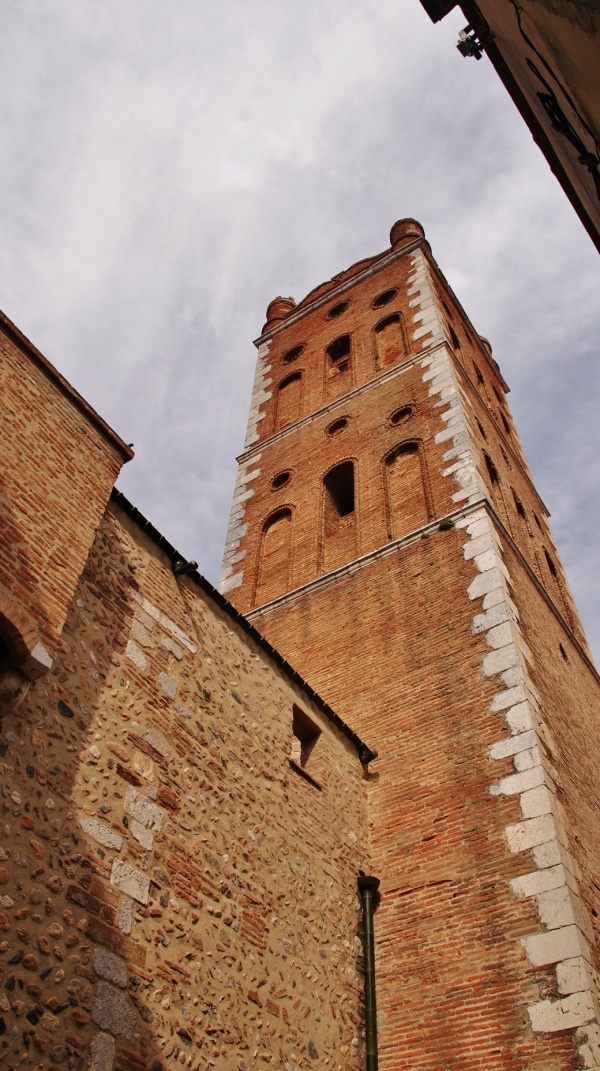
[587, 1040]
[102, 833]
[512, 676]
[556, 945]
[489, 559]
[513, 744]
[547, 854]
[131, 881]
[136, 655]
[500, 635]
[144, 810]
[142, 835]
[551, 1015]
[536, 802]
[528, 834]
[539, 881]
[496, 615]
[519, 718]
[518, 782]
[511, 697]
[555, 908]
[497, 595]
[526, 759]
[500, 660]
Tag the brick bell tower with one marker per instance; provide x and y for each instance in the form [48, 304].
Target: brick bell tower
[387, 538]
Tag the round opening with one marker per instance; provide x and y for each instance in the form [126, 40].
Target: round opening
[401, 415]
[337, 310]
[292, 355]
[384, 299]
[338, 425]
[280, 480]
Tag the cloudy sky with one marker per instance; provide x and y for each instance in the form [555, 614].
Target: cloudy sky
[168, 169]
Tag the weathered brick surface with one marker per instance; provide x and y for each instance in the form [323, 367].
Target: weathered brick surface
[59, 463]
[403, 666]
[417, 640]
[150, 809]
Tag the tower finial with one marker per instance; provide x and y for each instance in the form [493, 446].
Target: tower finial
[404, 231]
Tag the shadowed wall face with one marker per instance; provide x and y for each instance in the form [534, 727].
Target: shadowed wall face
[59, 463]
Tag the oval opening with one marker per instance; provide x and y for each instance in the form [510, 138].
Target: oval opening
[292, 355]
[280, 480]
[384, 299]
[338, 425]
[337, 310]
[401, 415]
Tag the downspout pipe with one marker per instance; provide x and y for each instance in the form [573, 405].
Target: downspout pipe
[368, 886]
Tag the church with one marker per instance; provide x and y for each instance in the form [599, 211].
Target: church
[342, 813]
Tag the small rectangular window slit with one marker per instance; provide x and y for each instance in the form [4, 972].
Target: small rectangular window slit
[304, 738]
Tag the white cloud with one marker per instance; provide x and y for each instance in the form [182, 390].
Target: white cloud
[166, 172]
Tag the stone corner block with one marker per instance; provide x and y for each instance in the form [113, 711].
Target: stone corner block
[130, 881]
[111, 967]
[112, 1011]
[551, 1015]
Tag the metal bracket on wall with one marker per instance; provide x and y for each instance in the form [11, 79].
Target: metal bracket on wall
[472, 42]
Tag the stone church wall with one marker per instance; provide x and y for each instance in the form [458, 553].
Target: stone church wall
[178, 869]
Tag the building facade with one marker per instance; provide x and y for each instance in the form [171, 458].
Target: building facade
[182, 819]
[200, 796]
[387, 538]
[547, 54]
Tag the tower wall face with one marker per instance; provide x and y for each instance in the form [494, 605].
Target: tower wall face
[456, 652]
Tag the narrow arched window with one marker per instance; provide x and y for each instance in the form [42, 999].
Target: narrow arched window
[339, 542]
[338, 351]
[491, 469]
[390, 340]
[275, 557]
[289, 395]
[406, 490]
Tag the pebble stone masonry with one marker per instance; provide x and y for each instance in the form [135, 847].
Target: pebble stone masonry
[178, 880]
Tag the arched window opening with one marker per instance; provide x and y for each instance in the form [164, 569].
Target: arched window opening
[498, 396]
[518, 504]
[492, 470]
[337, 310]
[293, 354]
[406, 490]
[538, 522]
[550, 563]
[454, 337]
[338, 425]
[281, 480]
[506, 424]
[481, 429]
[390, 343]
[339, 487]
[275, 557]
[478, 374]
[338, 349]
[288, 400]
[339, 517]
[384, 299]
[400, 416]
